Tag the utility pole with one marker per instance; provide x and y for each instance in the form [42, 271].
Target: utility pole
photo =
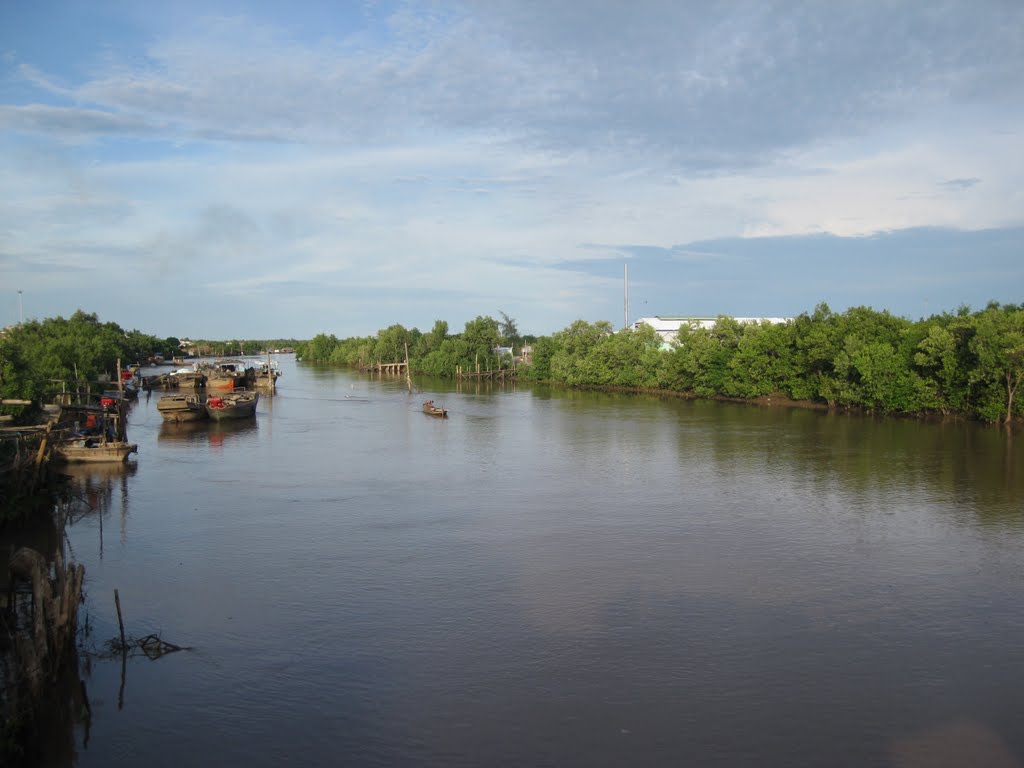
[21, 309]
[625, 295]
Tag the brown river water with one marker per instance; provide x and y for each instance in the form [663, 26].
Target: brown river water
[553, 578]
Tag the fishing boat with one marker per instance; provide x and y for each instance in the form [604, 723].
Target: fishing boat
[187, 377]
[178, 408]
[265, 375]
[93, 434]
[239, 404]
[228, 375]
[93, 449]
[434, 410]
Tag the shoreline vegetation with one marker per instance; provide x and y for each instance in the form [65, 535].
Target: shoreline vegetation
[964, 364]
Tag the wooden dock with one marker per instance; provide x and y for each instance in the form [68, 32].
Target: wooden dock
[379, 367]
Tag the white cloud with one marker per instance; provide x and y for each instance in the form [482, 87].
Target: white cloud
[487, 142]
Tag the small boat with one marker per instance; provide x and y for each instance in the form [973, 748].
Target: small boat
[239, 404]
[178, 408]
[93, 449]
[93, 434]
[434, 410]
[265, 375]
[157, 381]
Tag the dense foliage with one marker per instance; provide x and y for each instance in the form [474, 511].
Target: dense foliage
[239, 347]
[36, 356]
[969, 363]
[435, 352]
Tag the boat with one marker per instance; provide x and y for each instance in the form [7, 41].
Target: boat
[265, 375]
[434, 410]
[93, 449]
[178, 408]
[187, 377]
[228, 374]
[93, 433]
[157, 381]
[239, 404]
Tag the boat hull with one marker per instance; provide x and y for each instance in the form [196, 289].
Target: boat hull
[82, 452]
[234, 405]
[432, 410]
[179, 408]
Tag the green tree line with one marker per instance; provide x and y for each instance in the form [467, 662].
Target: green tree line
[968, 363]
[435, 353]
[237, 347]
[36, 355]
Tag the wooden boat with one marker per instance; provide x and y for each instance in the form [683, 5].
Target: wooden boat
[157, 381]
[228, 374]
[93, 449]
[178, 408]
[232, 405]
[433, 410]
[93, 434]
[265, 375]
[187, 378]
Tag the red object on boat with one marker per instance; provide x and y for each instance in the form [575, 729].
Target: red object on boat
[107, 402]
[215, 402]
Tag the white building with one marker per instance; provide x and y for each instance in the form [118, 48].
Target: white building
[668, 327]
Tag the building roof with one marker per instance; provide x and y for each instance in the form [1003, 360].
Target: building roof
[668, 325]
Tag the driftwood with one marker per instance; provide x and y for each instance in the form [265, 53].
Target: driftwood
[152, 645]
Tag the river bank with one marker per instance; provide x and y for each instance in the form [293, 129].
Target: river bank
[780, 400]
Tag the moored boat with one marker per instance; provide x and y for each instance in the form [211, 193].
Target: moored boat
[228, 374]
[81, 450]
[187, 378]
[178, 408]
[434, 410]
[265, 375]
[93, 433]
[240, 404]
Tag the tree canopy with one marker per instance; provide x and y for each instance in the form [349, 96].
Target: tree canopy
[969, 363]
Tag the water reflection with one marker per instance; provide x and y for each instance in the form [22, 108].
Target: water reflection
[101, 490]
[222, 433]
[614, 580]
[215, 433]
[184, 432]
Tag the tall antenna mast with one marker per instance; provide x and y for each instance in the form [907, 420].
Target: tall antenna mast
[625, 295]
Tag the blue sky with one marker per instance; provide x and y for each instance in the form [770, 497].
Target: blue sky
[263, 169]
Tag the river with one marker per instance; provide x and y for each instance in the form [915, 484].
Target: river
[553, 578]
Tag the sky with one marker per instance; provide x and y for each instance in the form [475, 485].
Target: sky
[225, 169]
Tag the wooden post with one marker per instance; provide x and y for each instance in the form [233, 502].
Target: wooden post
[270, 373]
[408, 375]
